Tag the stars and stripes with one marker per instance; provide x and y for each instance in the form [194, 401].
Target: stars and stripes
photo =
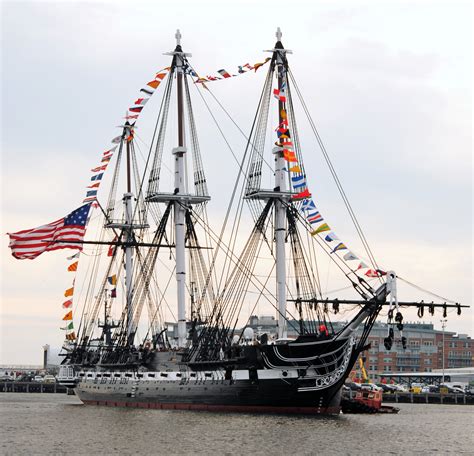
[65, 233]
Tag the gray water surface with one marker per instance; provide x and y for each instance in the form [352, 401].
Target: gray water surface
[41, 424]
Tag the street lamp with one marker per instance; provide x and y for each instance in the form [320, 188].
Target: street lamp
[443, 325]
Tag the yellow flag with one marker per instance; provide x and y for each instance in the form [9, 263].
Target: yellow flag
[320, 229]
[295, 169]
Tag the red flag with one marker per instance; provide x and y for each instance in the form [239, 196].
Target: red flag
[289, 156]
[136, 109]
[99, 168]
[141, 101]
[302, 195]
[112, 247]
[67, 304]
[374, 273]
[224, 74]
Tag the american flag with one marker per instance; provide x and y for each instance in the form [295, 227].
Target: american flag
[28, 244]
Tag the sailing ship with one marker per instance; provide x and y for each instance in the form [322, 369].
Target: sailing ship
[211, 363]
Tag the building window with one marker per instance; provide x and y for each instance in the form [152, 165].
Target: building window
[427, 361]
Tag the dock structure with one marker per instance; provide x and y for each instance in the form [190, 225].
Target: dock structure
[32, 387]
[429, 398]
[422, 398]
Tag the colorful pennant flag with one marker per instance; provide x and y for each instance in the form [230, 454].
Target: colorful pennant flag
[224, 74]
[113, 293]
[73, 267]
[67, 304]
[97, 177]
[116, 140]
[68, 326]
[112, 279]
[349, 256]
[338, 247]
[314, 217]
[73, 257]
[154, 84]
[362, 265]
[99, 168]
[68, 316]
[71, 336]
[331, 237]
[289, 156]
[69, 292]
[321, 229]
[295, 169]
[141, 101]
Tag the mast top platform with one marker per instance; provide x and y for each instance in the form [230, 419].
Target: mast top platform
[178, 50]
[278, 46]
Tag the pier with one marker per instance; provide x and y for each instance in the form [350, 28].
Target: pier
[32, 387]
[429, 398]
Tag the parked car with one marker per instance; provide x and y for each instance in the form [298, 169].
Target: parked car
[25, 378]
[49, 379]
[370, 387]
[452, 389]
[386, 388]
[353, 386]
[6, 378]
[38, 378]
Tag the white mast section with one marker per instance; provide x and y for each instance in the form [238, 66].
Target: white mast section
[127, 201]
[179, 210]
[280, 210]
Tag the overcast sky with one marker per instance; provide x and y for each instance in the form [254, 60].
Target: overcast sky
[388, 84]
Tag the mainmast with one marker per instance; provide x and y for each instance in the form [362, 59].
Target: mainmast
[280, 186]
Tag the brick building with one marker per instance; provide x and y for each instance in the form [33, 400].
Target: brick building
[424, 350]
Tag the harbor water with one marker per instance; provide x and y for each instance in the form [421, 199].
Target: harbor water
[60, 424]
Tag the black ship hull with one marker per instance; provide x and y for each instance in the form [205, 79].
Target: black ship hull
[264, 396]
[303, 378]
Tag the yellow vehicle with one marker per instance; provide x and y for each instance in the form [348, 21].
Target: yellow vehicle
[416, 388]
